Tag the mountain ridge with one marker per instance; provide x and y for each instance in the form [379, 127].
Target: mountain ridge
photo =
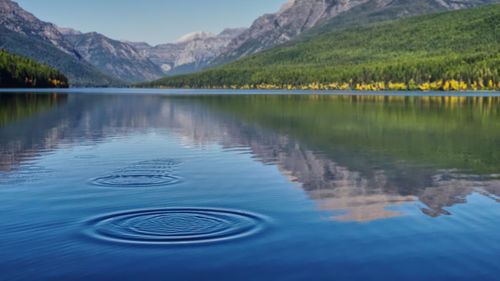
[448, 50]
[92, 59]
[23, 34]
[16, 19]
[114, 57]
[297, 17]
[190, 53]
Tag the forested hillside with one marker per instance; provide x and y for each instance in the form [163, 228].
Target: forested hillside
[79, 72]
[298, 20]
[457, 50]
[20, 72]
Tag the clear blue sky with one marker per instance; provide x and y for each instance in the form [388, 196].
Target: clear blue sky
[152, 21]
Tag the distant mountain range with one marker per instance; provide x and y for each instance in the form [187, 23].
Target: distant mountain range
[113, 57]
[92, 59]
[190, 53]
[453, 50]
[23, 34]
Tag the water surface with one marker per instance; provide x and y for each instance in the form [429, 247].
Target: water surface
[196, 185]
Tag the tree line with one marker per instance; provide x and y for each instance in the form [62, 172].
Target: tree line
[457, 50]
[20, 72]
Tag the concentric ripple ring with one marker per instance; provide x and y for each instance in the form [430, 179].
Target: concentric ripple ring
[159, 172]
[175, 226]
[135, 180]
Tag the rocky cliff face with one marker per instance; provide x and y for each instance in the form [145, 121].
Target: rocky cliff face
[132, 62]
[16, 19]
[295, 17]
[298, 16]
[190, 53]
[23, 34]
[463, 4]
[68, 31]
[113, 57]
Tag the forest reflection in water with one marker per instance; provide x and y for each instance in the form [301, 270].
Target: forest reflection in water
[358, 157]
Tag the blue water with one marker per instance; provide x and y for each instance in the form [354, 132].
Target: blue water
[100, 184]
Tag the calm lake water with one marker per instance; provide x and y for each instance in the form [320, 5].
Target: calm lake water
[132, 184]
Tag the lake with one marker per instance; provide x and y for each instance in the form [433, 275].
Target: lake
[248, 185]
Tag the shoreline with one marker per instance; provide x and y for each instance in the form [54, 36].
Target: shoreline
[182, 91]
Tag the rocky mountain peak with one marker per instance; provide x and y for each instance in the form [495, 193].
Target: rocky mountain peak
[231, 32]
[114, 57]
[286, 6]
[294, 17]
[16, 19]
[68, 31]
[198, 35]
[297, 16]
[11, 11]
[190, 53]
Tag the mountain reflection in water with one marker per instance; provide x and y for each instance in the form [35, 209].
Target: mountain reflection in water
[358, 157]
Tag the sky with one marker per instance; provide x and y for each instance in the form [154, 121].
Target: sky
[152, 21]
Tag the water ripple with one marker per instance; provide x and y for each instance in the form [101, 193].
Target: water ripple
[142, 174]
[175, 226]
[135, 180]
[86, 156]
[24, 174]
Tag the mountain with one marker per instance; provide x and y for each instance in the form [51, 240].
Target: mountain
[384, 10]
[190, 53]
[448, 50]
[23, 34]
[293, 18]
[92, 59]
[65, 31]
[20, 72]
[113, 57]
[18, 20]
[299, 16]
